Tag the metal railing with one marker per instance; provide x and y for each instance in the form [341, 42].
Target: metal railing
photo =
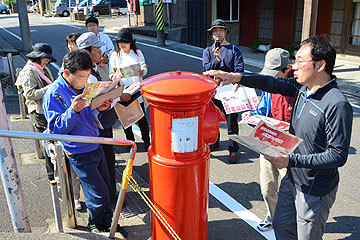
[9, 170]
[11, 178]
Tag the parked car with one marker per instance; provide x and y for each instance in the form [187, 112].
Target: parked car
[61, 7]
[4, 9]
[103, 7]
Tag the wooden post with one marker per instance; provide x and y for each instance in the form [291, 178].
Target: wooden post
[309, 18]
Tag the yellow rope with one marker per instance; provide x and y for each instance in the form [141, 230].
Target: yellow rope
[152, 207]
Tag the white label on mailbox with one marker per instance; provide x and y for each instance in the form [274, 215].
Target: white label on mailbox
[184, 134]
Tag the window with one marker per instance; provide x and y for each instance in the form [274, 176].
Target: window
[355, 27]
[228, 10]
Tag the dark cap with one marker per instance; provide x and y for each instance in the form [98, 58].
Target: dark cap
[42, 50]
[125, 35]
[218, 23]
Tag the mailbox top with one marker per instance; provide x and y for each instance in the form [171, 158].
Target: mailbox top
[178, 83]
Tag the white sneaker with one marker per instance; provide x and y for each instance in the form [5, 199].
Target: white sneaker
[78, 205]
[264, 225]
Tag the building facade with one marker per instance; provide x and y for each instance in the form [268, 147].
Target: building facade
[278, 22]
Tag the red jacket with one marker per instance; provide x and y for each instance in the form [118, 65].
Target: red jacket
[281, 107]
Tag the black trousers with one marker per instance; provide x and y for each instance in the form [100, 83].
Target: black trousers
[110, 161]
[39, 123]
[232, 124]
[144, 128]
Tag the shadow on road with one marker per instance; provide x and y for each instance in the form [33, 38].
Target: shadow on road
[345, 224]
[243, 193]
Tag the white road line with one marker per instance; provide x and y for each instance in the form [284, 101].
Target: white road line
[355, 106]
[73, 26]
[16, 36]
[55, 66]
[239, 210]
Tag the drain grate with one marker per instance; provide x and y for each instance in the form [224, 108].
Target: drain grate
[134, 203]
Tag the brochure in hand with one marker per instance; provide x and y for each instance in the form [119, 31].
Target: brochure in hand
[255, 119]
[242, 99]
[97, 93]
[269, 140]
[129, 71]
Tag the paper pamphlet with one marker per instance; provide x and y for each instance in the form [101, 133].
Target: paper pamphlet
[255, 119]
[112, 94]
[132, 88]
[129, 71]
[96, 89]
[243, 99]
[269, 140]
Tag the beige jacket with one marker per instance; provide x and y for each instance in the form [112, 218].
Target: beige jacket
[34, 87]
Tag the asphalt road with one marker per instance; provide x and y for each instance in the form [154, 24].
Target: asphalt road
[240, 181]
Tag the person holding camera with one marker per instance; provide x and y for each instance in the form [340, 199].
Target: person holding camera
[226, 57]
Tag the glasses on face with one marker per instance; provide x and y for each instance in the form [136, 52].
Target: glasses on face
[301, 64]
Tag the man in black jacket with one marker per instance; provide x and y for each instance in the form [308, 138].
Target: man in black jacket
[322, 117]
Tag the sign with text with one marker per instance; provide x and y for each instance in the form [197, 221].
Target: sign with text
[145, 2]
[242, 100]
[269, 140]
[255, 119]
[164, 1]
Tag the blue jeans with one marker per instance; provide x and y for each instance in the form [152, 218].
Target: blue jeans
[92, 171]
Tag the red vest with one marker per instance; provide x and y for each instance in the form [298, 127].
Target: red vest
[281, 107]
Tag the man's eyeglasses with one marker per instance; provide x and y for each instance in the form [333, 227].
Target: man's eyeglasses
[301, 64]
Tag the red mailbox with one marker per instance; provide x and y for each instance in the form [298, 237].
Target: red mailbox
[183, 122]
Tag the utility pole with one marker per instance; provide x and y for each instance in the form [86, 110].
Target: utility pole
[159, 19]
[10, 177]
[24, 26]
[309, 19]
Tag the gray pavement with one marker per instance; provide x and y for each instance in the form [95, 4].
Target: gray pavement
[32, 170]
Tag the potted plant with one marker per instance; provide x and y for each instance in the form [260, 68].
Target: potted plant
[264, 46]
[254, 45]
[292, 49]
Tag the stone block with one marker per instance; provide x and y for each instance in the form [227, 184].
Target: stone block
[177, 34]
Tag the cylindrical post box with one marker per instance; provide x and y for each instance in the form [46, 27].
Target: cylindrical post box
[183, 122]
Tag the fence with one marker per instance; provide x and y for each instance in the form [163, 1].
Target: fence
[11, 179]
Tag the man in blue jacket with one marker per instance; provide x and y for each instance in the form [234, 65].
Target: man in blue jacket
[65, 112]
[322, 117]
[89, 43]
[226, 57]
